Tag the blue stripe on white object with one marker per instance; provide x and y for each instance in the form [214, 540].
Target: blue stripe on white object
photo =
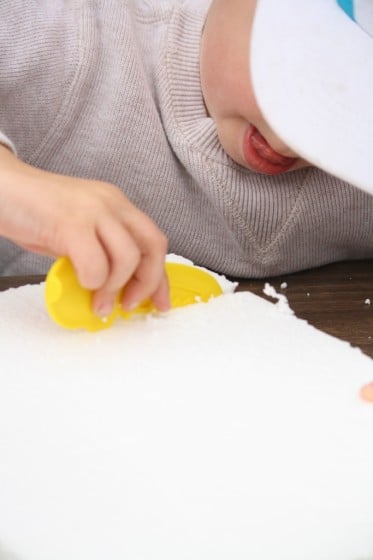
[348, 7]
[360, 11]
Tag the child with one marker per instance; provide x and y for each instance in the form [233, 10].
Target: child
[124, 124]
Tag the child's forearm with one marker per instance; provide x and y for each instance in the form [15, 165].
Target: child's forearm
[109, 241]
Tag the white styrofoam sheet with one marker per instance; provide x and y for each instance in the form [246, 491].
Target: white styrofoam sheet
[227, 430]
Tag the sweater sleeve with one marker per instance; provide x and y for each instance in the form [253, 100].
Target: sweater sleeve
[7, 142]
[39, 45]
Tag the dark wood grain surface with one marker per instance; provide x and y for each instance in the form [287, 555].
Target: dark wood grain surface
[333, 298]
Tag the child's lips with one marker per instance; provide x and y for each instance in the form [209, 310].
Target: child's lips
[261, 157]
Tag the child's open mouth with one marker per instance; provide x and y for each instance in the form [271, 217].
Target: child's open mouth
[261, 157]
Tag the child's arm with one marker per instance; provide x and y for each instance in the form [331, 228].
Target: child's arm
[109, 241]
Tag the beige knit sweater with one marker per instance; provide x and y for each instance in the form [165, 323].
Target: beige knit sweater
[110, 89]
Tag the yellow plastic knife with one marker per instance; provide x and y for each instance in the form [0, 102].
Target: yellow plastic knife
[70, 305]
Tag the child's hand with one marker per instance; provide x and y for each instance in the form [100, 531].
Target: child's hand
[109, 241]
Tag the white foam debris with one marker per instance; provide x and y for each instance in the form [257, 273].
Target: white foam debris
[283, 303]
[284, 285]
[367, 301]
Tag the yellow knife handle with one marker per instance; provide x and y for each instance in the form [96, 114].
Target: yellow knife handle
[70, 305]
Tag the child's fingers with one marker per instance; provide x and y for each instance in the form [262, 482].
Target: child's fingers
[89, 259]
[161, 297]
[112, 244]
[150, 276]
[149, 281]
[124, 257]
[136, 255]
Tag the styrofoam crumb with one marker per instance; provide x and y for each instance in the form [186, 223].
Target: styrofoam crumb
[283, 286]
[282, 303]
[367, 301]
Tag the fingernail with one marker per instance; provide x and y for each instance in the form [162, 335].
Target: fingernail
[130, 306]
[104, 310]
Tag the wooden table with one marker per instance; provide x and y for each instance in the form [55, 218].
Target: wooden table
[334, 298]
